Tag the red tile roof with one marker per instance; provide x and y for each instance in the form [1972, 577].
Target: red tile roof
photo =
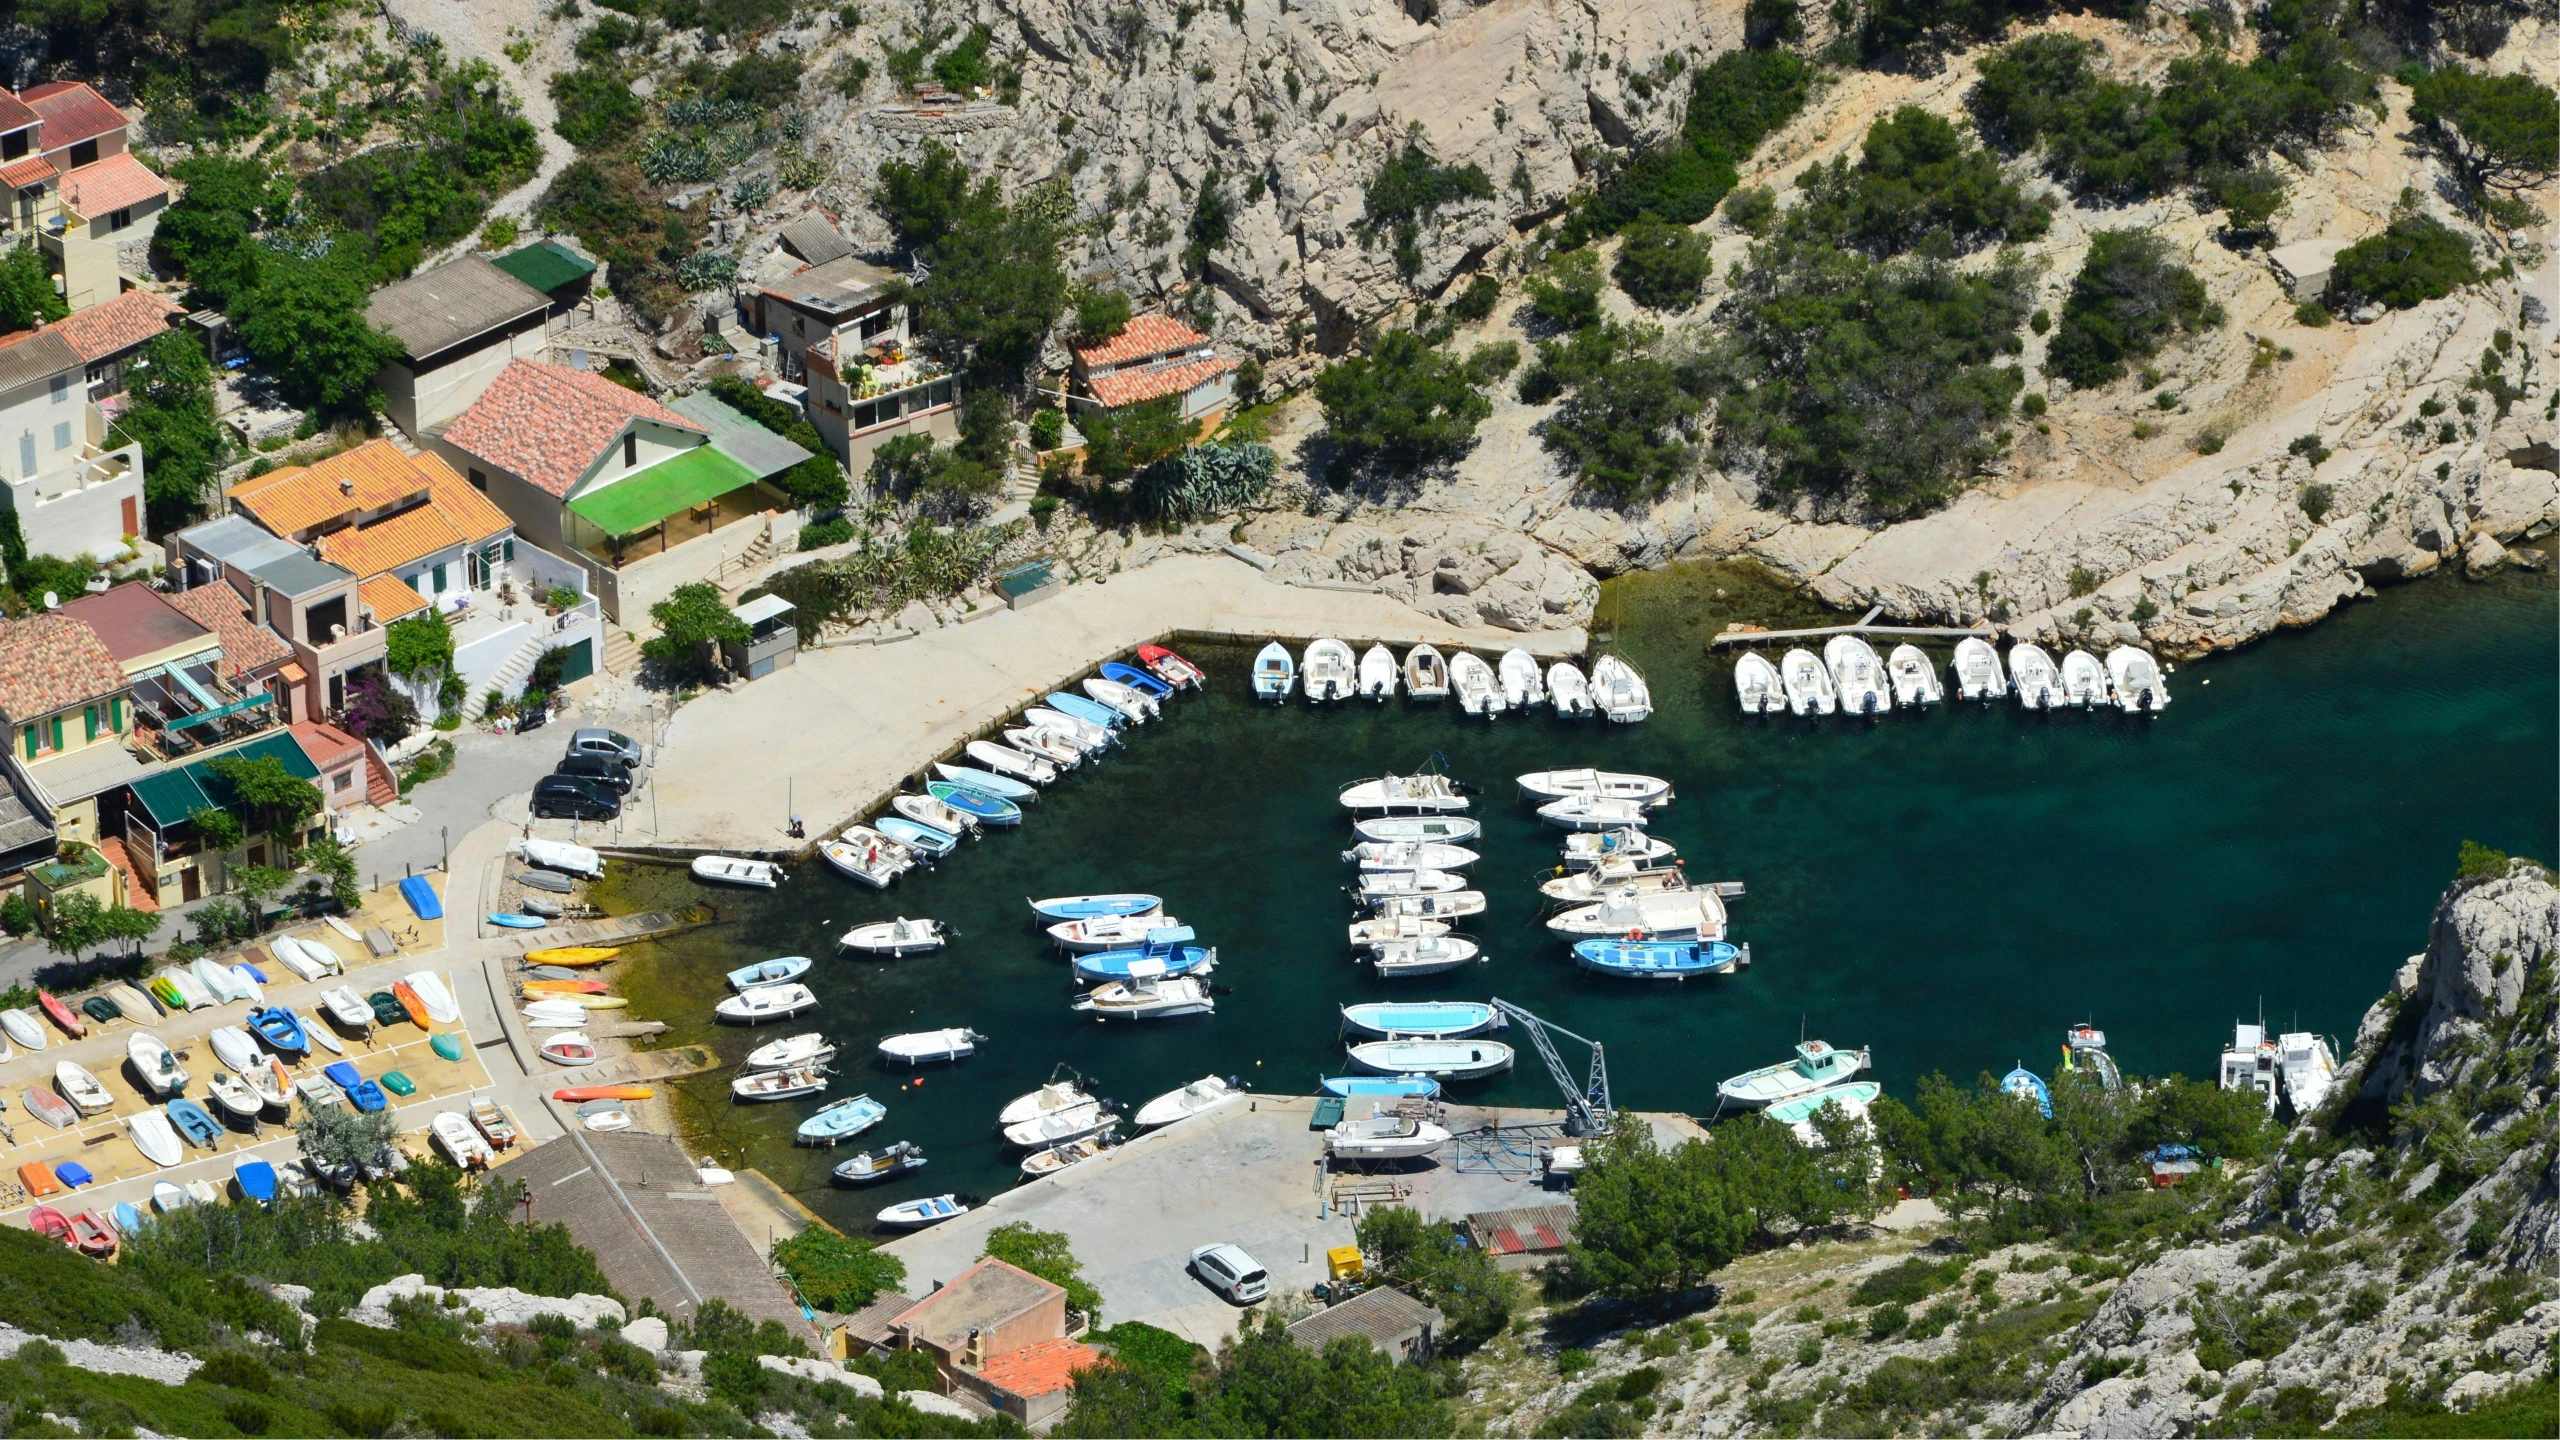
[325, 744]
[1140, 339]
[135, 620]
[50, 663]
[14, 114]
[119, 325]
[1041, 1368]
[1128, 387]
[371, 476]
[548, 423]
[72, 112]
[28, 173]
[110, 185]
[247, 646]
[389, 598]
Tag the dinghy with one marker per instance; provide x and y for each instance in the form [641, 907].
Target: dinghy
[235, 1048]
[347, 1008]
[460, 1141]
[763, 972]
[93, 1235]
[1384, 1137]
[1108, 932]
[1614, 877]
[875, 1165]
[1148, 994]
[1330, 673]
[1378, 931]
[1274, 673]
[901, 936]
[193, 1121]
[233, 1096]
[1809, 687]
[247, 983]
[1396, 1087]
[1676, 915]
[281, 1029]
[61, 1114]
[760, 1003]
[490, 1119]
[1619, 691]
[1090, 907]
[544, 880]
[1128, 700]
[217, 980]
[154, 1064]
[1417, 794]
[412, 1004]
[23, 1028]
[1521, 687]
[921, 838]
[791, 1052]
[1658, 959]
[1647, 790]
[2032, 673]
[1442, 1059]
[1757, 686]
[841, 1120]
[797, 1083]
[81, 1088]
[1045, 744]
[1422, 1019]
[1568, 691]
[166, 1197]
[1858, 676]
[1051, 1098]
[1381, 884]
[1171, 668]
[986, 807]
[1977, 670]
[1397, 829]
[737, 870]
[1087, 736]
[1168, 945]
[558, 855]
[131, 1003]
[573, 1048]
[916, 1214]
[927, 811]
[1378, 855]
[1055, 1158]
[1479, 692]
[101, 1009]
[1005, 760]
[2135, 676]
[1087, 709]
[1378, 673]
[61, 1014]
[987, 782]
[1797, 1114]
[1203, 1094]
[1915, 680]
[917, 1047]
[2084, 681]
[868, 856]
[317, 1093]
[1427, 907]
[438, 1000]
[322, 1036]
[1405, 959]
[1595, 812]
[192, 992]
[606, 1120]
[365, 1094]
[1143, 681]
[1057, 1127]
[1426, 675]
[1816, 1066]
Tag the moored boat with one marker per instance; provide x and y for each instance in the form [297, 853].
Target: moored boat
[797, 1083]
[1977, 670]
[1521, 687]
[1379, 856]
[763, 972]
[1384, 884]
[841, 1120]
[1056, 1127]
[1422, 1019]
[917, 836]
[916, 1214]
[1647, 790]
[2135, 678]
[1380, 929]
[1659, 959]
[790, 1051]
[867, 855]
[1619, 691]
[2033, 676]
[880, 1164]
[1613, 877]
[900, 936]
[1672, 915]
[1757, 686]
[759, 1003]
[1053, 1095]
[2028, 1085]
[987, 782]
[1816, 1066]
[1595, 812]
[1328, 672]
[984, 806]
[1169, 946]
[1479, 691]
[1171, 668]
[1108, 932]
[1085, 708]
[1145, 682]
[1798, 1114]
[1393, 829]
[1441, 1059]
[1915, 680]
[1275, 674]
[2308, 1065]
[1087, 737]
[1043, 743]
[2084, 681]
[1568, 691]
[1005, 760]
[927, 811]
[737, 870]
[1378, 673]
[1424, 793]
[917, 1047]
[1090, 907]
[1809, 686]
[1388, 1087]
[1434, 955]
[1454, 905]
[1426, 675]
[1148, 994]
[1857, 675]
[1138, 705]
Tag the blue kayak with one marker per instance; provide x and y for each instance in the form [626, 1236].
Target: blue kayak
[842, 1119]
[512, 921]
[280, 1028]
[254, 972]
[987, 782]
[1091, 711]
[1385, 1086]
[916, 835]
[1096, 907]
[1424, 1019]
[342, 1073]
[256, 1179]
[993, 809]
[769, 972]
[1114, 964]
[193, 1121]
[1658, 959]
[1144, 682]
[422, 898]
[367, 1096]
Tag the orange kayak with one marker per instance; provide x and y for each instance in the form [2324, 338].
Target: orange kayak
[604, 1092]
[37, 1176]
[410, 1002]
[565, 987]
[72, 1025]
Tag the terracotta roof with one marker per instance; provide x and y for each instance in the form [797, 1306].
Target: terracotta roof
[1382, 1317]
[983, 1297]
[1535, 1229]
[72, 112]
[386, 545]
[1128, 387]
[118, 325]
[1042, 1368]
[325, 744]
[52, 662]
[548, 423]
[389, 597]
[298, 497]
[110, 185]
[15, 114]
[1142, 337]
[135, 620]
[28, 173]
[247, 646]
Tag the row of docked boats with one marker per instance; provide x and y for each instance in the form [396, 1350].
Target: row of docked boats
[204, 983]
[1848, 679]
[1327, 674]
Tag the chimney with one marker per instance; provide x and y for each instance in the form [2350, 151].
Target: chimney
[346, 485]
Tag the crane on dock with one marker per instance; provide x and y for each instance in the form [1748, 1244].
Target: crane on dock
[1587, 1110]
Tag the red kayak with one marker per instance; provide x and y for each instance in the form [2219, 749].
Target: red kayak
[604, 1092]
[1170, 668]
[72, 1025]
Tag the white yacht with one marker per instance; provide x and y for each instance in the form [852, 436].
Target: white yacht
[2136, 676]
[1384, 1137]
[2250, 1063]
[1757, 686]
[1147, 995]
[2039, 684]
[1915, 680]
[1858, 674]
[1665, 915]
[1594, 812]
[1431, 955]
[1977, 670]
[1419, 794]
[1619, 691]
[2309, 1066]
[1545, 785]
[1615, 877]
[901, 936]
[1809, 688]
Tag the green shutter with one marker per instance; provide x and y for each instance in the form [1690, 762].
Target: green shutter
[31, 742]
[511, 549]
[115, 714]
[89, 719]
[57, 732]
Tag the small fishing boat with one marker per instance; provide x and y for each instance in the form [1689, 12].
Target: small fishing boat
[1977, 670]
[1087, 709]
[791, 1052]
[491, 1120]
[880, 1164]
[577, 1093]
[1422, 1019]
[1857, 674]
[796, 1083]
[1915, 680]
[916, 835]
[868, 856]
[1405, 959]
[1595, 812]
[573, 1048]
[917, 1047]
[2038, 683]
[1676, 915]
[1757, 686]
[572, 957]
[1384, 1137]
[987, 782]
[1426, 675]
[2028, 1085]
[1169, 946]
[1203, 1094]
[926, 811]
[1613, 877]
[93, 1236]
[546, 881]
[166, 1197]
[2084, 682]
[460, 1141]
[1479, 692]
[1171, 668]
[1108, 932]
[44, 1219]
[1043, 743]
[1455, 906]
[1521, 686]
[1816, 1066]
[193, 1121]
[1041, 1163]
[2135, 678]
[1054, 1096]
[558, 855]
[1442, 1059]
[1150, 993]
[1089, 907]
[1647, 790]
[317, 1093]
[757, 1004]
[23, 1028]
[1423, 794]
[737, 870]
[512, 920]
[430, 989]
[1057, 1127]
[987, 808]
[1797, 1114]
[218, 979]
[1378, 673]
[763, 972]
[155, 1137]
[1379, 930]
[411, 1003]
[841, 1120]
[1658, 959]
[1329, 671]
[901, 936]
[81, 1088]
[1394, 1087]
[127, 1218]
[233, 1095]
[1086, 735]
[1380, 884]
[256, 1179]
[1391, 829]
[1379, 856]
[154, 1064]
[1810, 690]
[347, 1008]
[1619, 691]
[1143, 681]
[1274, 673]
[1005, 760]
[1138, 705]
[281, 1029]
[309, 958]
[1568, 691]
[916, 1214]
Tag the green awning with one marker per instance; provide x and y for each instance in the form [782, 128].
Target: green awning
[642, 499]
[546, 266]
[173, 795]
[170, 797]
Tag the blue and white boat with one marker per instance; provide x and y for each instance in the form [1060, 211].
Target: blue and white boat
[990, 809]
[1275, 673]
[256, 1179]
[193, 1121]
[1136, 679]
[916, 835]
[1171, 945]
[1433, 1019]
[1094, 907]
[1659, 959]
[1384, 1087]
[362, 1093]
[281, 1029]
[987, 782]
[842, 1120]
[770, 972]
[1092, 712]
[2025, 1082]
[129, 1219]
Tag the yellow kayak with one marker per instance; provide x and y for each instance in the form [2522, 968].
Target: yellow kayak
[573, 956]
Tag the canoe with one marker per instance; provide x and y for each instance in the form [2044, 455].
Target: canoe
[60, 1014]
[280, 1028]
[154, 1064]
[193, 1121]
[155, 1137]
[900, 936]
[557, 855]
[82, 1088]
[573, 1048]
[988, 808]
[1089, 711]
[1658, 959]
[737, 870]
[604, 1092]
[422, 898]
[1089, 907]
[431, 990]
[256, 1179]
[574, 957]
[1385, 1087]
[1443, 1059]
[22, 1027]
[919, 1046]
[986, 782]
[916, 835]
[1144, 682]
[447, 1045]
[37, 1178]
[578, 987]
[1171, 668]
[1200, 1095]
[413, 1003]
[1423, 1019]
[841, 1120]
[510, 920]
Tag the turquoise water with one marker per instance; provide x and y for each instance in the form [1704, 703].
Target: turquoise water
[1950, 888]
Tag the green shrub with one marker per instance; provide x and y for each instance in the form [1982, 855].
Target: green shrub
[595, 106]
[2311, 313]
[1404, 403]
[1628, 436]
[2125, 303]
[2315, 501]
[2477, 862]
[1475, 303]
[2511, 122]
[2415, 259]
[1734, 103]
[1909, 1282]
[1662, 266]
[1752, 209]
[1048, 429]
[1566, 294]
[1571, 1362]
[2032, 403]
[1886, 1321]
[1915, 177]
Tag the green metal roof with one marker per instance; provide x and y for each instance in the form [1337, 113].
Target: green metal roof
[546, 266]
[173, 795]
[640, 500]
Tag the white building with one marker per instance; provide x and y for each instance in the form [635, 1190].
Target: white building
[73, 495]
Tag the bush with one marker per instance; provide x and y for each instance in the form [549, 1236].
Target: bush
[2476, 862]
[2416, 259]
[1100, 315]
[1662, 266]
[1566, 294]
[1752, 210]
[836, 1273]
[596, 107]
[1734, 104]
[1628, 435]
[1204, 480]
[1886, 1321]
[1915, 177]
[2127, 300]
[1048, 429]
[819, 534]
[2315, 501]
[2511, 122]
[1475, 303]
[1405, 403]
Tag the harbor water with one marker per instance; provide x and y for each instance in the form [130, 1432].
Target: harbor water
[1951, 888]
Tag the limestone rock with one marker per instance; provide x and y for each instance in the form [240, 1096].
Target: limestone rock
[824, 1372]
[2483, 554]
[498, 1305]
[933, 1404]
[648, 1332]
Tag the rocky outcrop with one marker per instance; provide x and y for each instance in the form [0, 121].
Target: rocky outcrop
[822, 1372]
[1461, 572]
[169, 1367]
[497, 1305]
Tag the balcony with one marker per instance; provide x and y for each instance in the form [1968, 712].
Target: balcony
[186, 707]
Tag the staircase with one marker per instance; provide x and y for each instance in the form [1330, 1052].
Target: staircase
[135, 896]
[509, 678]
[381, 787]
[621, 651]
[739, 571]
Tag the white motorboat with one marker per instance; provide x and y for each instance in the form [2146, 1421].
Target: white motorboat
[2309, 1067]
[1005, 760]
[1426, 675]
[1328, 672]
[1619, 691]
[1129, 700]
[1670, 915]
[1417, 794]
[347, 1008]
[2250, 1064]
[1057, 1127]
[918, 1046]
[2038, 683]
[1051, 1160]
[1378, 673]
[1381, 884]
[558, 855]
[759, 1003]
[432, 994]
[1380, 930]
[1388, 829]
[916, 1214]
[1089, 736]
[737, 870]
[791, 1051]
[23, 1027]
[868, 856]
[322, 1036]
[901, 936]
[1587, 849]
[460, 1141]
[1441, 1059]
[81, 1088]
[1383, 855]
[1809, 688]
[1384, 1137]
[2135, 676]
[1817, 1066]
[925, 810]
[1521, 687]
[1568, 692]
[1977, 670]
[1108, 932]
[1616, 877]
[1454, 906]
[1479, 692]
[234, 1095]
[1435, 955]
[1147, 995]
[318, 954]
[1595, 812]
[155, 1137]
[1757, 686]
[1049, 1099]
[1050, 745]
[2084, 681]
[798, 1082]
[1610, 784]
[1275, 674]
[236, 1048]
[218, 981]
[1915, 680]
[155, 1064]
[1858, 676]
[1204, 1094]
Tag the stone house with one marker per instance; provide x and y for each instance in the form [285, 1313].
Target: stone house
[998, 1333]
[1402, 1327]
[459, 325]
[73, 495]
[1152, 358]
[837, 333]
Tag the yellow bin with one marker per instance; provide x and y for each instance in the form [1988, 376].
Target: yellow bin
[1342, 1262]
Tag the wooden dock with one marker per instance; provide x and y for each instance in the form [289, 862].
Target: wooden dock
[1865, 626]
[621, 929]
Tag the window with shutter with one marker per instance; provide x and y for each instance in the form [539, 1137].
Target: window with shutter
[62, 435]
[57, 732]
[89, 721]
[27, 455]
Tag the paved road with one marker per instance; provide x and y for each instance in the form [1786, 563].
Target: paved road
[487, 769]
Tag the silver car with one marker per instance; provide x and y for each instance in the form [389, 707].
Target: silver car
[605, 744]
[1231, 1272]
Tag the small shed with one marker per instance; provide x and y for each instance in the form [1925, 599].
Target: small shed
[562, 275]
[1402, 1327]
[2303, 266]
[772, 640]
[1517, 1239]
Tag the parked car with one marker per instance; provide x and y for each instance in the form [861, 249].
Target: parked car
[1231, 1272]
[573, 797]
[595, 767]
[605, 744]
